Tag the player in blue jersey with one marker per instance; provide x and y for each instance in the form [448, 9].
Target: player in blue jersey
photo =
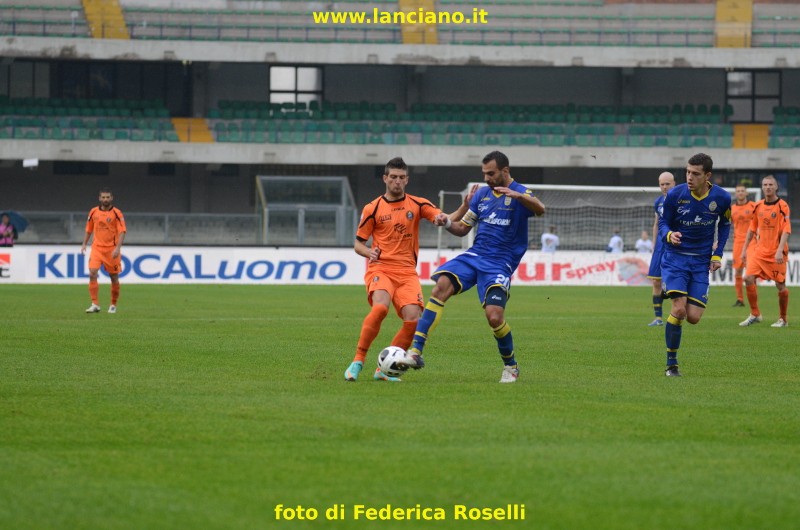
[693, 214]
[666, 181]
[500, 213]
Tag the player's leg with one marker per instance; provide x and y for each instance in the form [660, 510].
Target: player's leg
[445, 288]
[783, 305]
[408, 303]
[379, 299]
[675, 276]
[495, 302]
[94, 289]
[114, 268]
[779, 274]
[694, 312]
[657, 303]
[752, 271]
[673, 330]
[114, 292]
[95, 261]
[654, 273]
[738, 274]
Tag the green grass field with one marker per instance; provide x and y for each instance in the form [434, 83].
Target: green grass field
[207, 406]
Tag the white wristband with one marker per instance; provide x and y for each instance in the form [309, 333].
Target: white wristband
[448, 224]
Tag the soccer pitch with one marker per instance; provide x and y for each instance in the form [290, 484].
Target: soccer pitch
[225, 407]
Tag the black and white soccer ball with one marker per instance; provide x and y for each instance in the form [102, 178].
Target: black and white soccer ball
[391, 361]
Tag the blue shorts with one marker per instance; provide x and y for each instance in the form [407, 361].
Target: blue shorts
[655, 262]
[684, 275]
[467, 270]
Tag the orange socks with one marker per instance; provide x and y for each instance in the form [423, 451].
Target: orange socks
[783, 302]
[93, 289]
[405, 334]
[738, 281]
[114, 293]
[369, 330]
[752, 299]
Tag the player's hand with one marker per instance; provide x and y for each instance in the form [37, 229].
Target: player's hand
[470, 194]
[83, 249]
[779, 257]
[440, 219]
[715, 265]
[115, 253]
[744, 257]
[507, 192]
[675, 238]
[374, 254]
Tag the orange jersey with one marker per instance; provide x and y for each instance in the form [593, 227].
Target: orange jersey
[106, 226]
[394, 228]
[770, 220]
[741, 215]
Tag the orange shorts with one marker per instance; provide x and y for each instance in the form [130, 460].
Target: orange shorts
[401, 284]
[765, 269]
[102, 256]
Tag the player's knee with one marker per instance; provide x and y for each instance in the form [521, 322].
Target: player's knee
[495, 316]
[443, 289]
[693, 319]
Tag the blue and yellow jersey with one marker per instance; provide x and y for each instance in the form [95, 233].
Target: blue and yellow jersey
[501, 223]
[697, 219]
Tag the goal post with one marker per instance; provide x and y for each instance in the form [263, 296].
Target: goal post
[585, 217]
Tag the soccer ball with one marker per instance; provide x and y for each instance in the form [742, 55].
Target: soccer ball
[390, 361]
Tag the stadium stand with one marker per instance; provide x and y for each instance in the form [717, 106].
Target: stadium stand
[65, 19]
[85, 119]
[415, 115]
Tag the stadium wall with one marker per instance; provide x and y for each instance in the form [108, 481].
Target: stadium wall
[332, 266]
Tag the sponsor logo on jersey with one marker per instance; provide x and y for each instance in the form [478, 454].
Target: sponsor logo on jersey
[409, 215]
[494, 220]
[712, 206]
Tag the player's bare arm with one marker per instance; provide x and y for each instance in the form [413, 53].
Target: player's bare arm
[86, 238]
[781, 245]
[460, 229]
[747, 239]
[118, 248]
[655, 227]
[528, 201]
[464, 207]
[361, 248]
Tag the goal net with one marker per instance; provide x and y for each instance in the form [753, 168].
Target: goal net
[585, 217]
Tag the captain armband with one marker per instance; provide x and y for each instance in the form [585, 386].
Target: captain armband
[470, 218]
[669, 237]
[716, 258]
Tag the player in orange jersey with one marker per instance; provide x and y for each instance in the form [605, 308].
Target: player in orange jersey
[392, 221]
[767, 260]
[741, 215]
[108, 226]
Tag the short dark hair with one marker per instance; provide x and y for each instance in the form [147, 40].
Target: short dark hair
[771, 177]
[500, 159]
[702, 159]
[741, 185]
[105, 190]
[395, 163]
